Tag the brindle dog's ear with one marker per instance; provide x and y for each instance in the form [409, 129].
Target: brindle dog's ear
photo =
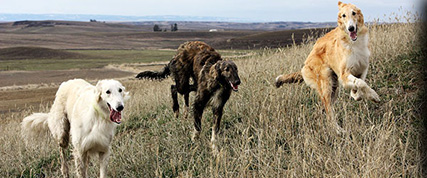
[215, 73]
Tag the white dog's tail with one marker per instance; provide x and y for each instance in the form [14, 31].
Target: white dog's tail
[35, 126]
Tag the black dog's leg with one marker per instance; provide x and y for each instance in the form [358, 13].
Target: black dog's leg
[187, 99]
[175, 105]
[187, 102]
[217, 110]
[199, 105]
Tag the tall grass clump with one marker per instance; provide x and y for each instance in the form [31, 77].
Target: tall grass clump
[266, 132]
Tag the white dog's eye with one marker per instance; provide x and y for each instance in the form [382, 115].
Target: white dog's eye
[120, 90]
[354, 13]
[108, 92]
[343, 15]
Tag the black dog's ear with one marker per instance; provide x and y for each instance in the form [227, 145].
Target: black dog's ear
[215, 72]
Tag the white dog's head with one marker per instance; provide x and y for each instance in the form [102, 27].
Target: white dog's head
[112, 93]
[350, 19]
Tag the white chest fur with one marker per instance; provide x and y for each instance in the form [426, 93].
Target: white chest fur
[358, 60]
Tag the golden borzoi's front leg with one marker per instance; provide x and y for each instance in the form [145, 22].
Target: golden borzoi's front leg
[354, 83]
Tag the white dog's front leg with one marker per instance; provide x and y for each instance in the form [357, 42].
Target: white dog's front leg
[103, 162]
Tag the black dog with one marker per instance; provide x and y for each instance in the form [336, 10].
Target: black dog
[213, 79]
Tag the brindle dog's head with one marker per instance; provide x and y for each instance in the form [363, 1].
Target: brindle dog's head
[228, 74]
[350, 19]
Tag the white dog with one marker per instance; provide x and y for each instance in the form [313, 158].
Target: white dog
[87, 113]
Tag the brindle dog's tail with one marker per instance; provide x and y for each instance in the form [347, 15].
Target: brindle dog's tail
[155, 75]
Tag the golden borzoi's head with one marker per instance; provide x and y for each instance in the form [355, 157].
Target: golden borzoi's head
[112, 94]
[350, 19]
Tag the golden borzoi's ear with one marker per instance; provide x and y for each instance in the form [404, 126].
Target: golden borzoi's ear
[340, 4]
[360, 20]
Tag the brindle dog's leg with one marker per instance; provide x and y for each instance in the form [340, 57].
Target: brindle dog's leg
[187, 99]
[200, 102]
[217, 110]
[175, 105]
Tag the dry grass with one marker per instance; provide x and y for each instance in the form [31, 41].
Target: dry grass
[266, 132]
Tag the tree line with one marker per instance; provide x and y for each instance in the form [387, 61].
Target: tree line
[174, 27]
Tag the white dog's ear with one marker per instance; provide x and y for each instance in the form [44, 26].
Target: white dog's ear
[126, 96]
[98, 90]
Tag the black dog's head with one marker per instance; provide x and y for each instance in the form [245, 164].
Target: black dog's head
[228, 74]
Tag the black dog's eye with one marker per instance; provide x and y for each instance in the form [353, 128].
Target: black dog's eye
[120, 90]
[354, 13]
[343, 15]
[108, 92]
[227, 69]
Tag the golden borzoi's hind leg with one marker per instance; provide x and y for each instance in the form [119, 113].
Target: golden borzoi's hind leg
[324, 82]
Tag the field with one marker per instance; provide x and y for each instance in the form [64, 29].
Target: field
[266, 132]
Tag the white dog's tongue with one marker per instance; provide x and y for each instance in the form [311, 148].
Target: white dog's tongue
[115, 116]
[353, 35]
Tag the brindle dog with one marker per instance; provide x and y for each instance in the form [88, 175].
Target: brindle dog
[213, 80]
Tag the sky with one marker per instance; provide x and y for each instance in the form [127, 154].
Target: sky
[252, 10]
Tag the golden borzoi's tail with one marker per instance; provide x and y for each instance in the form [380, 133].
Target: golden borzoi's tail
[35, 126]
[295, 77]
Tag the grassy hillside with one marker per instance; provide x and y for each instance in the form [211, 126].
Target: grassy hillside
[266, 132]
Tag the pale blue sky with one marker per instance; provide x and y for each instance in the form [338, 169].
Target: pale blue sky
[255, 10]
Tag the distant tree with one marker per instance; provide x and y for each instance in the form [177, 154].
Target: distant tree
[174, 27]
[156, 28]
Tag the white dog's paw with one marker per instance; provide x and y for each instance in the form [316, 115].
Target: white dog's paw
[356, 95]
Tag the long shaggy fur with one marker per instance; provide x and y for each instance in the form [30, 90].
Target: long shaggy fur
[213, 79]
[157, 75]
[295, 77]
[35, 126]
[341, 56]
[85, 113]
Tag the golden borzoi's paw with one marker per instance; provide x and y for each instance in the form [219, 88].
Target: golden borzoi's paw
[373, 96]
[356, 95]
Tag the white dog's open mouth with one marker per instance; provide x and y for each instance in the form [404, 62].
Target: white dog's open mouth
[353, 35]
[115, 116]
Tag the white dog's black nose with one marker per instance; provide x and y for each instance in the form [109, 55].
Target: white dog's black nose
[120, 108]
[351, 28]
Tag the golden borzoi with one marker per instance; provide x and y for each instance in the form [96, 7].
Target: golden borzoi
[342, 54]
